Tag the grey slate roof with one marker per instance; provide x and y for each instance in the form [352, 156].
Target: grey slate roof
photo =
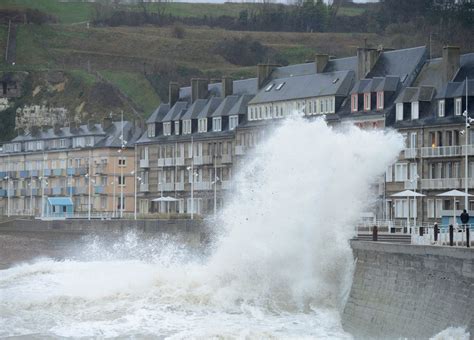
[430, 75]
[399, 63]
[111, 135]
[341, 64]
[314, 85]
[175, 112]
[294, 70]
[210, 107]
[193, 111]
[225, 106]
[456, 89]
[240, 108]
[241, 86]
[389, 84]
[466, 67]
[416, 94]
[158, 115]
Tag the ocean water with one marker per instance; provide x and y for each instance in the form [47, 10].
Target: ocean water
[280, 266]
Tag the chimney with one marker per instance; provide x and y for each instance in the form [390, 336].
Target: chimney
[173, 93]
[90, 125]
[34, 129]
[57, 128]
[366, 59]
[73, 126]
[263, 72]
[321, 60]
[45, 128]
[106, 123]
[450, 63]
[227, 86]
[198, 89]
[20, 131]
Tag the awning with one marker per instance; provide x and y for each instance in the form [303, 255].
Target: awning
[165, 199]
[60, 201]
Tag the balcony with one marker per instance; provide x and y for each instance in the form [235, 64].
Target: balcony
[99, 189]
[71, 190]
[144, 187]
[144, 163]
[34, 173]
[47, 191]
[24, 174]
[58, 172]
[35, 192]
[226, 159]
[3, 174]
[47, 172]
[411, 185]
[202, 186]
[166, 187]
[179, 161]
[198, 160]
[70, 171]
[240, 150]
[179, 186]
[442, 151]
[411, 153]
[23, 192]
[441, 183]
[169, 161]
[81, 190]
[161, 162]
[3, 193]
[101, 169]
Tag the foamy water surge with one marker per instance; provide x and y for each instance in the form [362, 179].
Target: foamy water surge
[279, 268]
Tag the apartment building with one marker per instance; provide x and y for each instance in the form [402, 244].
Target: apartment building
[92, 164]
[430, 114]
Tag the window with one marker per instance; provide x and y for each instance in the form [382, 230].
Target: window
[430, 207]
[120, 203]
[401, 208]
[202, 125]
[62, 143]
[151, 130]
[413, 171]
[187, 126]
[176, 128]
[441, 108]
[78, 142]
[413, 140]
[414, 110]
[121, 180]
[389, 174]
[439, 207]
[354, 105]
[269, 87]
[367, 101]
[121, 161]
[39, 145]
[89, 141]
[380, 100]
[399, 111]
[278, 88]
[233, 122]
[167, 129]
[457, 106]
[400, 172]
[217, 124]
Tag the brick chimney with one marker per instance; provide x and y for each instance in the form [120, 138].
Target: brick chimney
[57, 128]
[321, 60]
[106, 123]
[34, 130]
[173, 93]
[199, 88]
[90, 125]
[450, 63]
[227, 86]
[263, 73]
[366, 59]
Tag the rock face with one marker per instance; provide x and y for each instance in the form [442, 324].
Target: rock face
[36, 115]
[409, 291]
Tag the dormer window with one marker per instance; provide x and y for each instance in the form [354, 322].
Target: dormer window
[217, 124]
[176, 128]
[457, 106]
[415, 110]
[167, 129]
[233, 122]
[269, 87]
[380, 100]
[187, 127]
[354, 104]
[151, 130]
[202, 125]
[367, 101]
[399, 111]
[441, 108]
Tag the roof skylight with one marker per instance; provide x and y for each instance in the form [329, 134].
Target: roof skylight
[278, 88]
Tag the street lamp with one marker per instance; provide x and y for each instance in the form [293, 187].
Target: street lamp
[44, 181]
[193, 173]
[216, 180]
[7, 178]
[469, 121]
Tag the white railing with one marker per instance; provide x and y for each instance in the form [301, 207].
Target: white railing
[441, 183]
[411, 153]
[169, 161]
[144, 187]
[226, 185]
[161, 162]
[144, 163]
[411, 185]
[179, 161]
[442, 151]
[198, 160]
[202, 186]
[207, 159]
[166, 186]
[179, 186]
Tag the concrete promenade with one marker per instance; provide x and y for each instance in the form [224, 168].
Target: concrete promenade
[410, 291]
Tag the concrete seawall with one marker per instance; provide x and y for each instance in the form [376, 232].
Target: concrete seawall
[409, 291]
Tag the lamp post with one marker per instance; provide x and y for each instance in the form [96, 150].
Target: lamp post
[466, 160]
[191, 169]
[8, 194]
[135, 184]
